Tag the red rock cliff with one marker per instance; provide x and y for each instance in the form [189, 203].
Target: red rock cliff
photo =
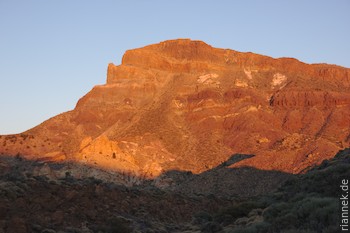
[182, 104]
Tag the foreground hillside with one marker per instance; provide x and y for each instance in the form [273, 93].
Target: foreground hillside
[35, 198]
[184, 105]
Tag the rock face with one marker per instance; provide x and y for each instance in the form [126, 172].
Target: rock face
[184, 105]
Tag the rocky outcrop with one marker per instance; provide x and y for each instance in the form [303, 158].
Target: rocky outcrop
[309, 98]
[184, 105]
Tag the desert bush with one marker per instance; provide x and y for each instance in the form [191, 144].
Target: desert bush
[201, 218]
[331, 229]
[275, 210]
[114, 225]
[236, 211]
[261, 227]
[305, 203]
[297, 231]
[211, 227]
[317, 213]
[310, 213]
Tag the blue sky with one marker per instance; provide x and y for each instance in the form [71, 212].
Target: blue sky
[54, 52]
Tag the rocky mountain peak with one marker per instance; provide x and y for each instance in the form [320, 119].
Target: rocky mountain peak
[184, 105]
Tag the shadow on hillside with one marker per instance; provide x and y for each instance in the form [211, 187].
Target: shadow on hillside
[221, 181]
[33, 198]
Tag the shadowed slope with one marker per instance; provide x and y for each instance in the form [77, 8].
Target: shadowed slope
[223, 180]
[34, 201]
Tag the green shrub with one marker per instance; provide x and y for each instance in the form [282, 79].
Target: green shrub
[261, 227]
[114, 225]
[201, 218]
[310, 213]
[317, 213]
[275, 210]
[211, 227]
[236, 211]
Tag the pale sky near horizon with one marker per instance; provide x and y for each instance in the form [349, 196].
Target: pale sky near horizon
[53, 52]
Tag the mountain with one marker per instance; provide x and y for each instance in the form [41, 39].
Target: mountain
[186, 106]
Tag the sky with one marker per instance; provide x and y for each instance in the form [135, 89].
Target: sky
[53, 52]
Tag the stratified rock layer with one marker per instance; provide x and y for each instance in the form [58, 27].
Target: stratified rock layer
[184, 105]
